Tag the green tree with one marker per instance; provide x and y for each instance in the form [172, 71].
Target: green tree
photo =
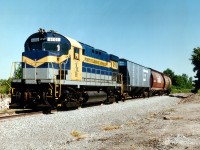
[183, 81]
[179, 81]
[195, 58]
[190, 83]
[18, 72]
[170, 74]
[5, 86]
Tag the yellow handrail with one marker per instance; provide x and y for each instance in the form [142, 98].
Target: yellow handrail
[122, 85]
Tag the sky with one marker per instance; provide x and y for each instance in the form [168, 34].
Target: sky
[159, 34]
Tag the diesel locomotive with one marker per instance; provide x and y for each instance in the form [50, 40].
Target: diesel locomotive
[58, 71]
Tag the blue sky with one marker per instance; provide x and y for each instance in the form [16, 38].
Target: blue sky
[159, 34]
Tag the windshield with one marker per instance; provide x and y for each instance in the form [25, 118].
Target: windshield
[34, 46]
[55, 47]
[47, 46]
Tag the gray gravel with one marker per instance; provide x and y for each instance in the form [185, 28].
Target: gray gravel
[53, 131]
[4, 103]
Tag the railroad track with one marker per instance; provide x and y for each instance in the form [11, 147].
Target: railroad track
[20, 113]
[28, 112]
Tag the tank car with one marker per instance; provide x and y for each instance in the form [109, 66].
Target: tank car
[160, 83]
[168, 85]
[59, 71]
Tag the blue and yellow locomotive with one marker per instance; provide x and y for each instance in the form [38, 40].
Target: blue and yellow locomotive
[61, 72]
[58, 71]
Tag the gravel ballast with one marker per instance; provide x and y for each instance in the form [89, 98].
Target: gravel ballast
[55, 131]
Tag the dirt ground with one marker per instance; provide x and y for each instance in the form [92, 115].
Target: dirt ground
[176, 128]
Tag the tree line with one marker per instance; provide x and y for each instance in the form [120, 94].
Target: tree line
[179, 81]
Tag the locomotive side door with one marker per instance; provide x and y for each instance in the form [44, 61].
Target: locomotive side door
[76, 64]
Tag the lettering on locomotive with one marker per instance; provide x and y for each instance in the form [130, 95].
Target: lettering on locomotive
[96, 62]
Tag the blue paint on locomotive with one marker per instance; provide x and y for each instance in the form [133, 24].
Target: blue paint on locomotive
[36, 42]
[44, 45]
[114, 57]
[94, 53]
[38, 54]
[90, 68]
[101, 55]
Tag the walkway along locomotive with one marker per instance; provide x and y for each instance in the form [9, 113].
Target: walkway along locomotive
[58, 71]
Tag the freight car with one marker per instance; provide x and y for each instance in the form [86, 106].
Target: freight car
[136, 78]
[160, 83]
[168, 84]
[58, 71]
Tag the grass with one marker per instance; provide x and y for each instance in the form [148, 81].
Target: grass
[152, 114]
[78, 135]
[176, 90]
[111, 127]
[130, 122]
[170, 110]
[180, 90]
[7, 111]
[172, 117]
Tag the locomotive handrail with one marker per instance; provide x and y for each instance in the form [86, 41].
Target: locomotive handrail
[90, 74]
[89, 71]
[15, 68]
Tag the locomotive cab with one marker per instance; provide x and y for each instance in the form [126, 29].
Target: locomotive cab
[42, 55]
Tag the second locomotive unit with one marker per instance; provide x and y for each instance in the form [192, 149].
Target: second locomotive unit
[58, 71]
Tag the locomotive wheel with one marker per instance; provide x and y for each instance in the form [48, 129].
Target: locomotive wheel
[19, 99]
[71, 99]
[118, 97]
[125, 97]
[145, 94]
[18, 96]
[167, 93]
[47, 110]
[80, 103]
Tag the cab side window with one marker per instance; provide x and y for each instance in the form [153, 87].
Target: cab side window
[65, 48]
[76, 53]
